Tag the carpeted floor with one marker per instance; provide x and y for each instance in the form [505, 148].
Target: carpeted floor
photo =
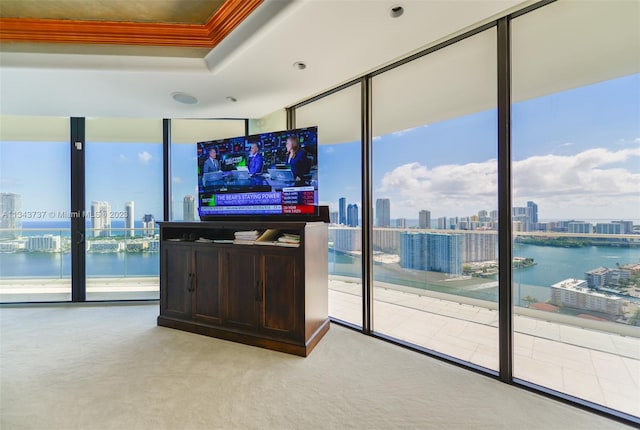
[111, 367]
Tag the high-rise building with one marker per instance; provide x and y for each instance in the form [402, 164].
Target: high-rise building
[383, 213]
[352, 215]
[424, 219]
[411, 250]
[148, 225]
[445, 252]
[101, 218]
[442, 223]
[579, 227]
[609, 228]
[347, 239]
[342, 211]
[626, 227]
[401, 223]
[129, 222]
[532, 212]
[438, 252]
[480, 247]
[10, 219]
[45, 243]
[386, 240]
[189, 208]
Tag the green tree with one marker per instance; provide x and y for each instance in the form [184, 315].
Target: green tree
[635, 318]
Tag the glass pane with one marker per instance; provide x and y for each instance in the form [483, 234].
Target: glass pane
[185, 133]
[35, 260]
[576, 201]
[340, 187]
[123, 201]
[435, 201]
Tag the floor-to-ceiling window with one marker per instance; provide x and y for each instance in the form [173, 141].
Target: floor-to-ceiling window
[576, 199]
[34, 209]
[123, 179]
[340, 187]
[575, 122]
[185, 133]
[435, 200]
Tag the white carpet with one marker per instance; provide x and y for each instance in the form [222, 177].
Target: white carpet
[111, 367]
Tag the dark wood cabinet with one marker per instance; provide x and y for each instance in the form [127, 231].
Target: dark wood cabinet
[243, 297]
[194, 270]
[263, 295]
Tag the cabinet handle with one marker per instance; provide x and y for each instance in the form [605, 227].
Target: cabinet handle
[191, 288]
[258, 291]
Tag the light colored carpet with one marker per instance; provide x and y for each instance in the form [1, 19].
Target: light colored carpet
[111, 367]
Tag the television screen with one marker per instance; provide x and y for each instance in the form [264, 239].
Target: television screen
[266, 174]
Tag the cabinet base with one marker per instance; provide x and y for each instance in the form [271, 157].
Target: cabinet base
[287, 346]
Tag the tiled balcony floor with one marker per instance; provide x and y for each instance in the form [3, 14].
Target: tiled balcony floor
[593, 365]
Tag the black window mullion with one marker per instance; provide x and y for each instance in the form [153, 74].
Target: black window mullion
[367, 208]
[78, 230]
[505, 253]
[166, 169]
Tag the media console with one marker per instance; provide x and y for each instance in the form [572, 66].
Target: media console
[270, 296]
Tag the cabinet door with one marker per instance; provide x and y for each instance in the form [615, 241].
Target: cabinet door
[176, 278]
[283, 302]
[206, 295]
[243, 287]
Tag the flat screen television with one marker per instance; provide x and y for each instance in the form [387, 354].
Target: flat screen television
[258, 177]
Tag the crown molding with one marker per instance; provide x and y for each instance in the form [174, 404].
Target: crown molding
[208, 35]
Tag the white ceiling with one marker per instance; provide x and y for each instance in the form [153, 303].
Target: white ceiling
[338, 40]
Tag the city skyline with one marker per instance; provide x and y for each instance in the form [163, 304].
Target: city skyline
[524, 218]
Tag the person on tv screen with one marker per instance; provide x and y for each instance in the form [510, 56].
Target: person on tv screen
[255, 162]
[297, 159]
[212, 164]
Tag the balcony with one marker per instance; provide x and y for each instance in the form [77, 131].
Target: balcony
[591, 360]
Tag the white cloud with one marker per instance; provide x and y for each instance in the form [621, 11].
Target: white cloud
[572, 186]
[176, 180]
[376, 138]
[144, 157]
[567, 144]
[329, 149]
[123, 158]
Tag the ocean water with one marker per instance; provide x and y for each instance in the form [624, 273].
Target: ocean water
[553, 264]
[58, 265]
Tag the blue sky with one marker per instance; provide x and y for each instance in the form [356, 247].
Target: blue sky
[576, 153]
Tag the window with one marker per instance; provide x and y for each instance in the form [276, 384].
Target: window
[34, 203]
[575, 167]
[435, 201]
[185, 133]
[123, 201]
[340, 186]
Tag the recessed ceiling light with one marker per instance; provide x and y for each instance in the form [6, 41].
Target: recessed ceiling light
[184, 98]
[396, 11]
[232, 99]
[299, 65]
